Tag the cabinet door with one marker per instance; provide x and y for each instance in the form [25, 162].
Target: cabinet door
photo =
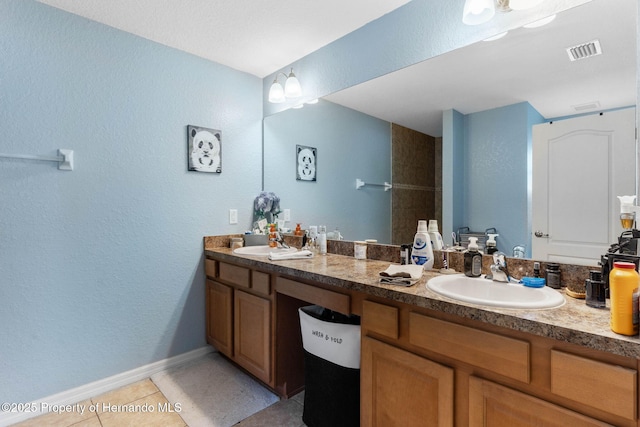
[399, 388]
[494, 405]
[220, 317]
[252, 327]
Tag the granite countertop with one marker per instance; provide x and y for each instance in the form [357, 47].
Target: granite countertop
[574, 322]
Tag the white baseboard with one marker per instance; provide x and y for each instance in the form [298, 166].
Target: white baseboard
[104, 385]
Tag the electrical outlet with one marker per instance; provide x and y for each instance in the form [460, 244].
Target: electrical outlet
[287, 214]
[233, 216]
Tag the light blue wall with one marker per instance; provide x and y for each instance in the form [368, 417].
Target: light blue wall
[101, 267]
[495, 177]
[350, 145]
[453, 162]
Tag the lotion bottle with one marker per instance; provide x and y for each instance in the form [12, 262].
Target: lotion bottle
[422, 253]
[473, 259]
[623, 287]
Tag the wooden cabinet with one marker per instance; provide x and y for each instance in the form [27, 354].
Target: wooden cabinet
[587, 381]
[413, 358]
[239, 317]
[493, 405]
[252, 340]
[420, 366]
[220, 317]
[399, 388]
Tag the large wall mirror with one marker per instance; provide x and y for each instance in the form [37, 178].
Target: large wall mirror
[525, 77]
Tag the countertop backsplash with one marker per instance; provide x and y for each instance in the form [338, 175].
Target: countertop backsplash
[572, 276]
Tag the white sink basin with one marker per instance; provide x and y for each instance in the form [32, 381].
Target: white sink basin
[478, 290]
[263, 250]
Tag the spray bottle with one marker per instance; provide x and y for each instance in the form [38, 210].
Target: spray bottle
[422, 253]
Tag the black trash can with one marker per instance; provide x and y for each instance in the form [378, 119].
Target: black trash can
[331, 343]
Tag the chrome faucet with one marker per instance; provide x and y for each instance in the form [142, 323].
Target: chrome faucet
[499, 270]
[280, 241]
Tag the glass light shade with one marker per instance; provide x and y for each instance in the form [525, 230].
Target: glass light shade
[292, 88]
[540, 22]
[523, 4]
[276, 93]
[478, 12]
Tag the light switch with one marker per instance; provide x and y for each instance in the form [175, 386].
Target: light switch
[233, 216]
[287, 214]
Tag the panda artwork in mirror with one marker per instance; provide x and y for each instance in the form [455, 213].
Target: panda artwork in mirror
[205, 149]
[306, 158]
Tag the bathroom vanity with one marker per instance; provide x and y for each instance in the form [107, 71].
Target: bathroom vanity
[426, 359]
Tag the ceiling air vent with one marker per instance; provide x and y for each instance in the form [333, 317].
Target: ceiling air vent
[593, 105]
[585, 50]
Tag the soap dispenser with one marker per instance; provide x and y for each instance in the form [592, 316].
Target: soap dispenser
[422, 253]
[491, 244]
[473, 259]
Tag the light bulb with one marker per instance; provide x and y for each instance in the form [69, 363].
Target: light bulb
[477, 12]
[292, 88]
[276, 93]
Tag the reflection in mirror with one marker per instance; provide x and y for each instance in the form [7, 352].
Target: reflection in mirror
[349, 145]
[495, 92]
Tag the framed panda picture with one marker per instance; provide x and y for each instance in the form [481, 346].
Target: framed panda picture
[204, 149]
[306, 161]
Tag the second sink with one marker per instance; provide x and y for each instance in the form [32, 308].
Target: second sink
[496, 294]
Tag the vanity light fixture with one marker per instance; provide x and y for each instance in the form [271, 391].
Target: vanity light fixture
[292, 88]
[476, 12]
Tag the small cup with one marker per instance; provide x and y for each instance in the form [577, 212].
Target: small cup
[360, 249]
[236, 242]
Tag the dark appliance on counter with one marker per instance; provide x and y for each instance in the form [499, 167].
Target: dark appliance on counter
[625, 250]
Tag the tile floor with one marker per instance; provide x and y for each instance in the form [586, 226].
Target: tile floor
[143, 394]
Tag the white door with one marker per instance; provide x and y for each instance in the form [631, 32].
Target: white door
[580, 165]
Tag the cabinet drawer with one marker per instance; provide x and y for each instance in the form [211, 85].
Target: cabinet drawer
[502, 355]
[607, 387]
[261, 282]
[491, 404]
[233, 274]
[328, 299]
[381, 319]
[210, 268]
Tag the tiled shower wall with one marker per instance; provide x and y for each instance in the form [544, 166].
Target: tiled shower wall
[416, 173]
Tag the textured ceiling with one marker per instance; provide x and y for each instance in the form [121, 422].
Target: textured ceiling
[256, 36]
[526, 65]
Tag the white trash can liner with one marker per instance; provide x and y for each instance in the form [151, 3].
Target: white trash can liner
[338, 343]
